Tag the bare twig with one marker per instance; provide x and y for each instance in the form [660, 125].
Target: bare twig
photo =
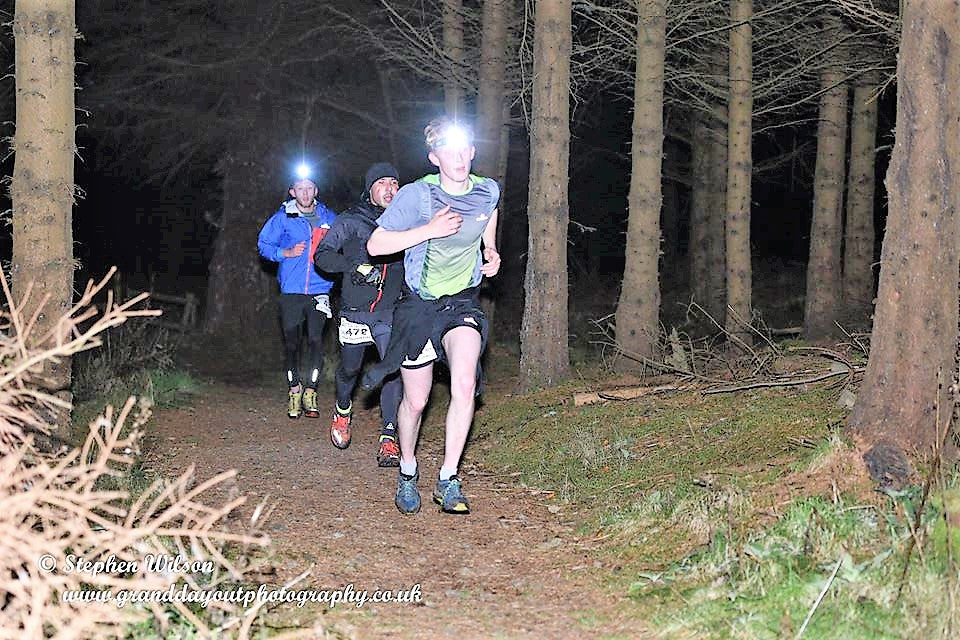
[819, 599]
[55, 504]
[782, 382]
[939, 447]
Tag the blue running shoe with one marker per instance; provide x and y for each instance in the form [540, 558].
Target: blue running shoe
[408, 498]
[449, 495]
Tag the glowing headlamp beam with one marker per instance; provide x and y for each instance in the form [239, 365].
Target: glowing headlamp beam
[303, 171]
[453, 136]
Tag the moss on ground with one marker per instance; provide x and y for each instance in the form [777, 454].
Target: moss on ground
[727, 515]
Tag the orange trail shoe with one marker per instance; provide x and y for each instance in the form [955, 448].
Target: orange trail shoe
[340, 429]
[388, 454]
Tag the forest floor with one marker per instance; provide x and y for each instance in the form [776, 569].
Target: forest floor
[680, 515]
[513, 568]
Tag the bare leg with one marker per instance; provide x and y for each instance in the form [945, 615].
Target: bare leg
[416, 391]
[462, 346]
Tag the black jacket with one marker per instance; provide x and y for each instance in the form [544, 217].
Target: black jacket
[344, 247]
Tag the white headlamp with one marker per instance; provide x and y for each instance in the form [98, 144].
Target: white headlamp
[303, 171]
[453, 136]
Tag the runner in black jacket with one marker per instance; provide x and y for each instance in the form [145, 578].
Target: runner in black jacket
[371, 287]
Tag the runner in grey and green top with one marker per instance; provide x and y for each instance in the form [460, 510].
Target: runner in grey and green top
[446, 224]
[443, 266]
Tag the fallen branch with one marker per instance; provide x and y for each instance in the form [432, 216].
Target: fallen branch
[783, 382]
[583, 398]
[786, 331]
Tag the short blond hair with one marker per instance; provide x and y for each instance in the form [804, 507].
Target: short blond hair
[436, 129]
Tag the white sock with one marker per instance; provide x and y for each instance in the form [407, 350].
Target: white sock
[446, 474]
[408, 468]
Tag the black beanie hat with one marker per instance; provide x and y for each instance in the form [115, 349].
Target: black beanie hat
[375, 172]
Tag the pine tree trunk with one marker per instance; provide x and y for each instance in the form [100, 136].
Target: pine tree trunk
[504, 149]
[503, 158]
[914, 341]
[860, 237]
[638, 309]
[453, 46]
[670, 214]
[700, 202]
[739, 173]
[544, 351]
[383, 75]
[241, 310]
[822, 306]
[490, 111]
[707, 208]
[716, 248]
[42, 186]
[491, 88]
[716, 219]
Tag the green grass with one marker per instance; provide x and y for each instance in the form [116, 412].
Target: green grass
[604, 454]
[165, 389]
[162, 388]
[171, 389]
[764, 584]
[723, 515]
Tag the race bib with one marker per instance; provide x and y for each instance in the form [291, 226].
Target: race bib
[354, 332]
[323, 304]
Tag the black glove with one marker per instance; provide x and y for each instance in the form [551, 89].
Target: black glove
[367, 274]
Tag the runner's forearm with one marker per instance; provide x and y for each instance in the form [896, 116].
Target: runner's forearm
[383, 242]
[490, 232]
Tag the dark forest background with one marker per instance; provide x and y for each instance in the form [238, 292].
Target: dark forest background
[169, 93]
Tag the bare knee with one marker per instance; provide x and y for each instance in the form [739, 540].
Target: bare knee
[463, 386]
[415, 402]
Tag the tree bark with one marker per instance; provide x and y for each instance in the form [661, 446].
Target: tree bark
[503, 158]
[491, 88]
[453, 47]
[241, 314]
[42, 188]
[700, 200]
[707, 207]
[490, 112]
[638, 309]
[860, 236]
[739, 269]
[822, 305]
[670, 213]
[716, 218]
[544, 351]
[914, 341]
[390, 112]
[717, 126]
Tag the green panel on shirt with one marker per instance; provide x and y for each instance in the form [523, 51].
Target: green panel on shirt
[450, 264]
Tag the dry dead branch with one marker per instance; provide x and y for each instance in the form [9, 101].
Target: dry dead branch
[626, 393]
[57, 508]
[714, 369]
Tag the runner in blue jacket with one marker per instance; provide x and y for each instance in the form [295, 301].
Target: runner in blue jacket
[290, 237]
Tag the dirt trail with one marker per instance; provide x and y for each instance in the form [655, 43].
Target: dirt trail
[511, 569]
